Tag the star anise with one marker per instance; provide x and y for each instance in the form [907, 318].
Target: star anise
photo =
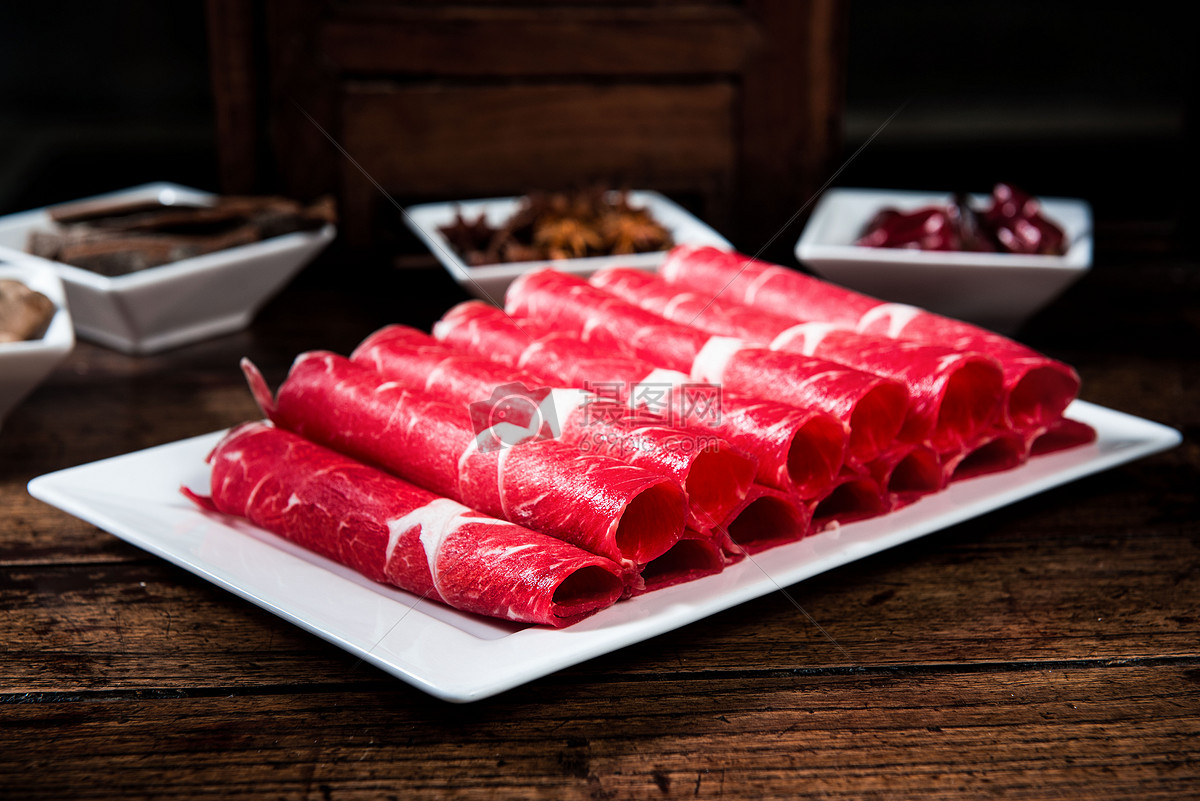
[560, 225]
[566, 238]
[633, 231]
[470, 238]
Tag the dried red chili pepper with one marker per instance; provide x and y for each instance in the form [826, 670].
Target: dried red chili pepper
[1013, 223]
[928, 228]
[1018, 223]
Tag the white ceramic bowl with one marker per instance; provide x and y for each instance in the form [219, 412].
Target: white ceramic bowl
[995, 290]
[186, 301]
[23, 365]
[489, 281]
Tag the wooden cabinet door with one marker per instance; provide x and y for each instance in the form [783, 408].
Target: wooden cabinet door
[732, 108]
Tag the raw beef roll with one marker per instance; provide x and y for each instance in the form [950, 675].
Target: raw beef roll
[873, 408]
[798, 450]
[1062, 435]
[766, 518]
[398, 534]
[907, 472]
[954, 397]
[714, 474]
[856, 495]
[605, 506]
[480, 328]
[1038, 388]
[695, 555]
[993, 452]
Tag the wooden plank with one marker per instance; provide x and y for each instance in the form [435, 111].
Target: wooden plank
[147, 625]
[385, 7]
[460, 141]
[438, 41]
[38, 534]
[789, 127]
[100, 404]
[301, 106]
[232, 70]
[476, 137]
[1113, 732]
[112, 414]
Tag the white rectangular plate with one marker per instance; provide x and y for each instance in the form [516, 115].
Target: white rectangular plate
[461, 657]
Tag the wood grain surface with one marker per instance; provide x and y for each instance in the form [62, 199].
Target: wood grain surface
[1050, 649]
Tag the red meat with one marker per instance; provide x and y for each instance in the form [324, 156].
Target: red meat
[873, 408]
[396, 533]
[798, 450]
[766, 518]
[1038, 388]
[954, 397]
[607, 507]
[697, 554]
[714, 474]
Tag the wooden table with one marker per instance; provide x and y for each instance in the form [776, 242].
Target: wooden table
[1049, 649]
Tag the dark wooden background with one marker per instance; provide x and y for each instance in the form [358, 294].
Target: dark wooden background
[1099, 104]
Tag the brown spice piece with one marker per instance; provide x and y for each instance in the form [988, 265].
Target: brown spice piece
[469, 236]
[567, 238]
[632, 231]
[560, 225]
[115, 238]
[24, 313]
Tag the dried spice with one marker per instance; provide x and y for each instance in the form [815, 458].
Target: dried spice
[24, 313]
[560, 225]
[115, 238]
[1014, 223]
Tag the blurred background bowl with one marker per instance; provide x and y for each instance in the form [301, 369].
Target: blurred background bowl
[995, 290]
[174, 304]
[23, 365]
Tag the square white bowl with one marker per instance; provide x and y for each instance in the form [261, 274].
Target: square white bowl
[179, 303]
[489, 281]
[995, 290]
[23, 365]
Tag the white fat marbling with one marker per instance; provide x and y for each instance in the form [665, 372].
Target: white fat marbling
[438, 519]
[810, 334]
[898, 315]
[710, 363]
